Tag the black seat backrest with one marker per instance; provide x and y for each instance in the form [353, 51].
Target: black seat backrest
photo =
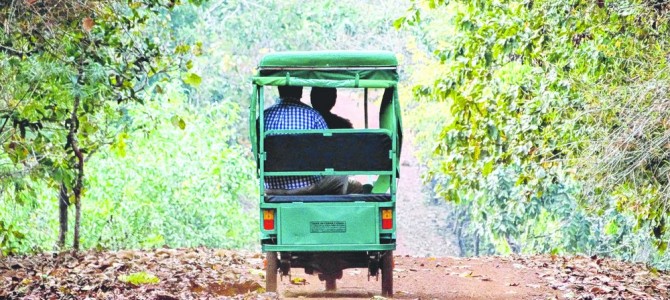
[369, 151]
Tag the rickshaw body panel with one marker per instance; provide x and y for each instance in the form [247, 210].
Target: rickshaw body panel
[350, 226]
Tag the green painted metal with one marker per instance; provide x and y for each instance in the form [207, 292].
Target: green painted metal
[264, 205]
[328, 59]
[327, 81]
[337, 69]
[330, 131]
[329, 172]
[252, 121]
[306, 224]
[329, 248]
[295, 230]
[261, 130]
[389, 119]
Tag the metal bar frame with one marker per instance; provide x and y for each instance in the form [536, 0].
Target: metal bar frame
[324, 69]
[261, 155]
[365, 106]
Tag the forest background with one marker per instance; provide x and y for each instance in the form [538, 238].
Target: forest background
[544, 123]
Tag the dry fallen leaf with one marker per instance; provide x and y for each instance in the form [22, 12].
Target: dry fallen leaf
[466, 274]
[298, 281]
[600, 290]
[87, 24]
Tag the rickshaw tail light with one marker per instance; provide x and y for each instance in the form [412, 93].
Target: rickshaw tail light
[268, 219]
[387, 218]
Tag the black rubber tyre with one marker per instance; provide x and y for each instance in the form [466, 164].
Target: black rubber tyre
[331, 283]
[387, 274]
[271, 272]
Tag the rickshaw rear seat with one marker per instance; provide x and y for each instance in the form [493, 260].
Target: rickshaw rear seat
[328, 198]
[365, 151]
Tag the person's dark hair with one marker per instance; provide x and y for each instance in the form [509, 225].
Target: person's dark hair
[323, 99]
[292, 92]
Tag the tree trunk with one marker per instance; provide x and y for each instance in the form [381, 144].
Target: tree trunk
[77, 222]
[76, 189]
[73, 141]
[63, 205]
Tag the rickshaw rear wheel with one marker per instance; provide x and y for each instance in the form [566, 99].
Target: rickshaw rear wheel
[330, 280]
[271, 271]
[331, 283]
[387, 274]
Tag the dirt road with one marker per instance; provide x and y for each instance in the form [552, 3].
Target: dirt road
[201, 273]
[431, 278]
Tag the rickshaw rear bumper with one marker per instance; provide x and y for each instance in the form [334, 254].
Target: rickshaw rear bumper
[328, 248]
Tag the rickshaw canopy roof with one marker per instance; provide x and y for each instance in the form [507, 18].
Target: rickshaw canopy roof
[353, 69]
[328, 59]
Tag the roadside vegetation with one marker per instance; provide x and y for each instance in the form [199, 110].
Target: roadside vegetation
[161, 95]
[544, 123]
[554, 135]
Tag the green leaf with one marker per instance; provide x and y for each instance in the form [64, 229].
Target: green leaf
[192, 79]
[488, 168]
[182, 49]
[119, 147]
[139, 278]
[611, 228]
[178, 122]
[399, 22]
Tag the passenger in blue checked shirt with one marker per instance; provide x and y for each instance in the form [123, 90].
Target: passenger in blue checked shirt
[291, 114]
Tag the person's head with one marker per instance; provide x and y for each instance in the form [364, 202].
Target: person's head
[290, 92]
[323, 99]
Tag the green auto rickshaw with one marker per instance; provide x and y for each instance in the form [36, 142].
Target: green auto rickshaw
[325, 234]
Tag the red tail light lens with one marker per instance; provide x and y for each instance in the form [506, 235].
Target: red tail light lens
[269, 219]
[387, 218]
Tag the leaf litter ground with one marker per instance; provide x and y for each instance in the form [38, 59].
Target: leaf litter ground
[198, 273]
[202, 273]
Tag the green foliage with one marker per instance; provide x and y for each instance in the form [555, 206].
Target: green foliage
[246, 30]
[66, 68]
[172, 185]
[11, 239]
[554, 134]
[139, 278]
[162, 94]
[160, 185]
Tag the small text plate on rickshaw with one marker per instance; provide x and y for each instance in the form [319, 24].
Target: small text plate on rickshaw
[327, 226]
